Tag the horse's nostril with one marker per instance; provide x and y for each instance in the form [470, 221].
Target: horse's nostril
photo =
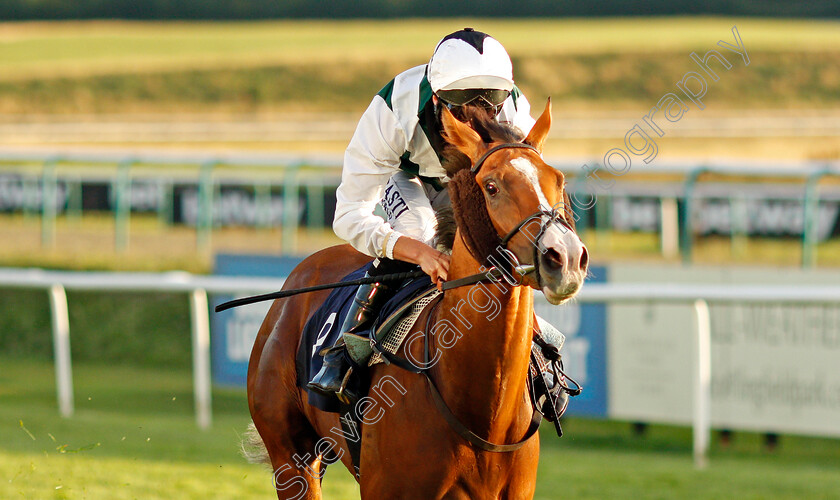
[553, 260]
[584, 259]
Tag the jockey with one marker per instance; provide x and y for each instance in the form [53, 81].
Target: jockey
[394, 159]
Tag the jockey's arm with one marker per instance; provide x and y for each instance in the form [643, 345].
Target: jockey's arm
[372, 157]
[370, 160]
[433, 263]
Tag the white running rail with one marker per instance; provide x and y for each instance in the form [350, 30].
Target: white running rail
[56, 282]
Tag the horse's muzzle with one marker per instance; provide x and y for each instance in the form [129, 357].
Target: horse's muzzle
[564, 261]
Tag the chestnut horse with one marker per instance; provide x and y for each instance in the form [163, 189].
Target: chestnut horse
[482, 342]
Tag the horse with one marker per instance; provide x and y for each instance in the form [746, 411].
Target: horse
[481, 336]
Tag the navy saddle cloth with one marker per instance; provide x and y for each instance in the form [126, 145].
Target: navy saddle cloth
[324, 327]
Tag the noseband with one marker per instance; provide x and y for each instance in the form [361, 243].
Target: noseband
[467, 197]
[545, 216]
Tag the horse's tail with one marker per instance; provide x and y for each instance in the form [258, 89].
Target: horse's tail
[253, 447]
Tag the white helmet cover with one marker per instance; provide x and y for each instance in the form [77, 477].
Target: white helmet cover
[470, 59]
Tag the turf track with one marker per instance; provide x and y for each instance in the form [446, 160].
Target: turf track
[133, 436]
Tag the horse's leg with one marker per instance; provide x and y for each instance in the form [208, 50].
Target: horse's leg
[297, 474]
[523, 481]
[276, 409]
[289, 440]
[275, 400]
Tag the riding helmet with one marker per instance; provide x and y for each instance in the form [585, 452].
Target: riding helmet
[469, 59]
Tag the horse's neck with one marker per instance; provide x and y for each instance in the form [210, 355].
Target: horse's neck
[484, 371]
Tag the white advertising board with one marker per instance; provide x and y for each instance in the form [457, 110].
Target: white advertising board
[775, 367]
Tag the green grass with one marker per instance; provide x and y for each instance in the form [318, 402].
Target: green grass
[73, 48]
[133, 436]
[148, 329]
[88, 243]
[574, 81]
[118, 67]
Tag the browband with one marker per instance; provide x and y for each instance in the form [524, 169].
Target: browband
[474, 170]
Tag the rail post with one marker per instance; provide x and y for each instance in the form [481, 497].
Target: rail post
[738, 225]
[165, 201]
[204, 215]
[201, 358]
[74, 199]
[122, 204]
[602, 215]
[702, 383]
[61, 345]
[31, 204]
[584, 215]
[687, 240]
[315, 202]
[49, 190]
[810, 214]
[262, 200]
[291, 188]
[669, 227]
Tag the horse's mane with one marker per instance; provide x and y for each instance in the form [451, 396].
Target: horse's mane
[454, 161]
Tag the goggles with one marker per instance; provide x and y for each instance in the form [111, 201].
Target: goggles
[486, 98]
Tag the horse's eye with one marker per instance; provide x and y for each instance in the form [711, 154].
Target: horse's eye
[491, 188]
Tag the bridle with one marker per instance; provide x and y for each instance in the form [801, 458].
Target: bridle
[546, 217]
[511, 268]
[496, 273]
[508, 270]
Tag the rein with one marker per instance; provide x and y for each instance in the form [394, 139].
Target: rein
[493, 274]
[454, 422]
[326, 286]
[544, 215]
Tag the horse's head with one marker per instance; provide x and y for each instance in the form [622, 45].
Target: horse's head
[520, 201]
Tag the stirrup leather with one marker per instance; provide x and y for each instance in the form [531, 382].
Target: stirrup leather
[341, 392]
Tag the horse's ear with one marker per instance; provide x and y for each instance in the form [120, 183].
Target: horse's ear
[460, 135]
[539, 131]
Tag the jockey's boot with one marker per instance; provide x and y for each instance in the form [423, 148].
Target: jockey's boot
[335, 373]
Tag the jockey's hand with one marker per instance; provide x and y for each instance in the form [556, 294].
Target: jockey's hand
[433, 263]
[436, 265]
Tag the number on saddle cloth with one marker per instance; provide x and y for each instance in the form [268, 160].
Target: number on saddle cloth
[324, 328]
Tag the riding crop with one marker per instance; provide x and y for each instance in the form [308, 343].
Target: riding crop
[286, 293]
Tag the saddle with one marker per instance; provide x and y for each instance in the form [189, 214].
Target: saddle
[323, 329]
[548, 385]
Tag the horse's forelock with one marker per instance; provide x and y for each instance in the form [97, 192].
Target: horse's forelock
[488, 129]
[491, 130]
